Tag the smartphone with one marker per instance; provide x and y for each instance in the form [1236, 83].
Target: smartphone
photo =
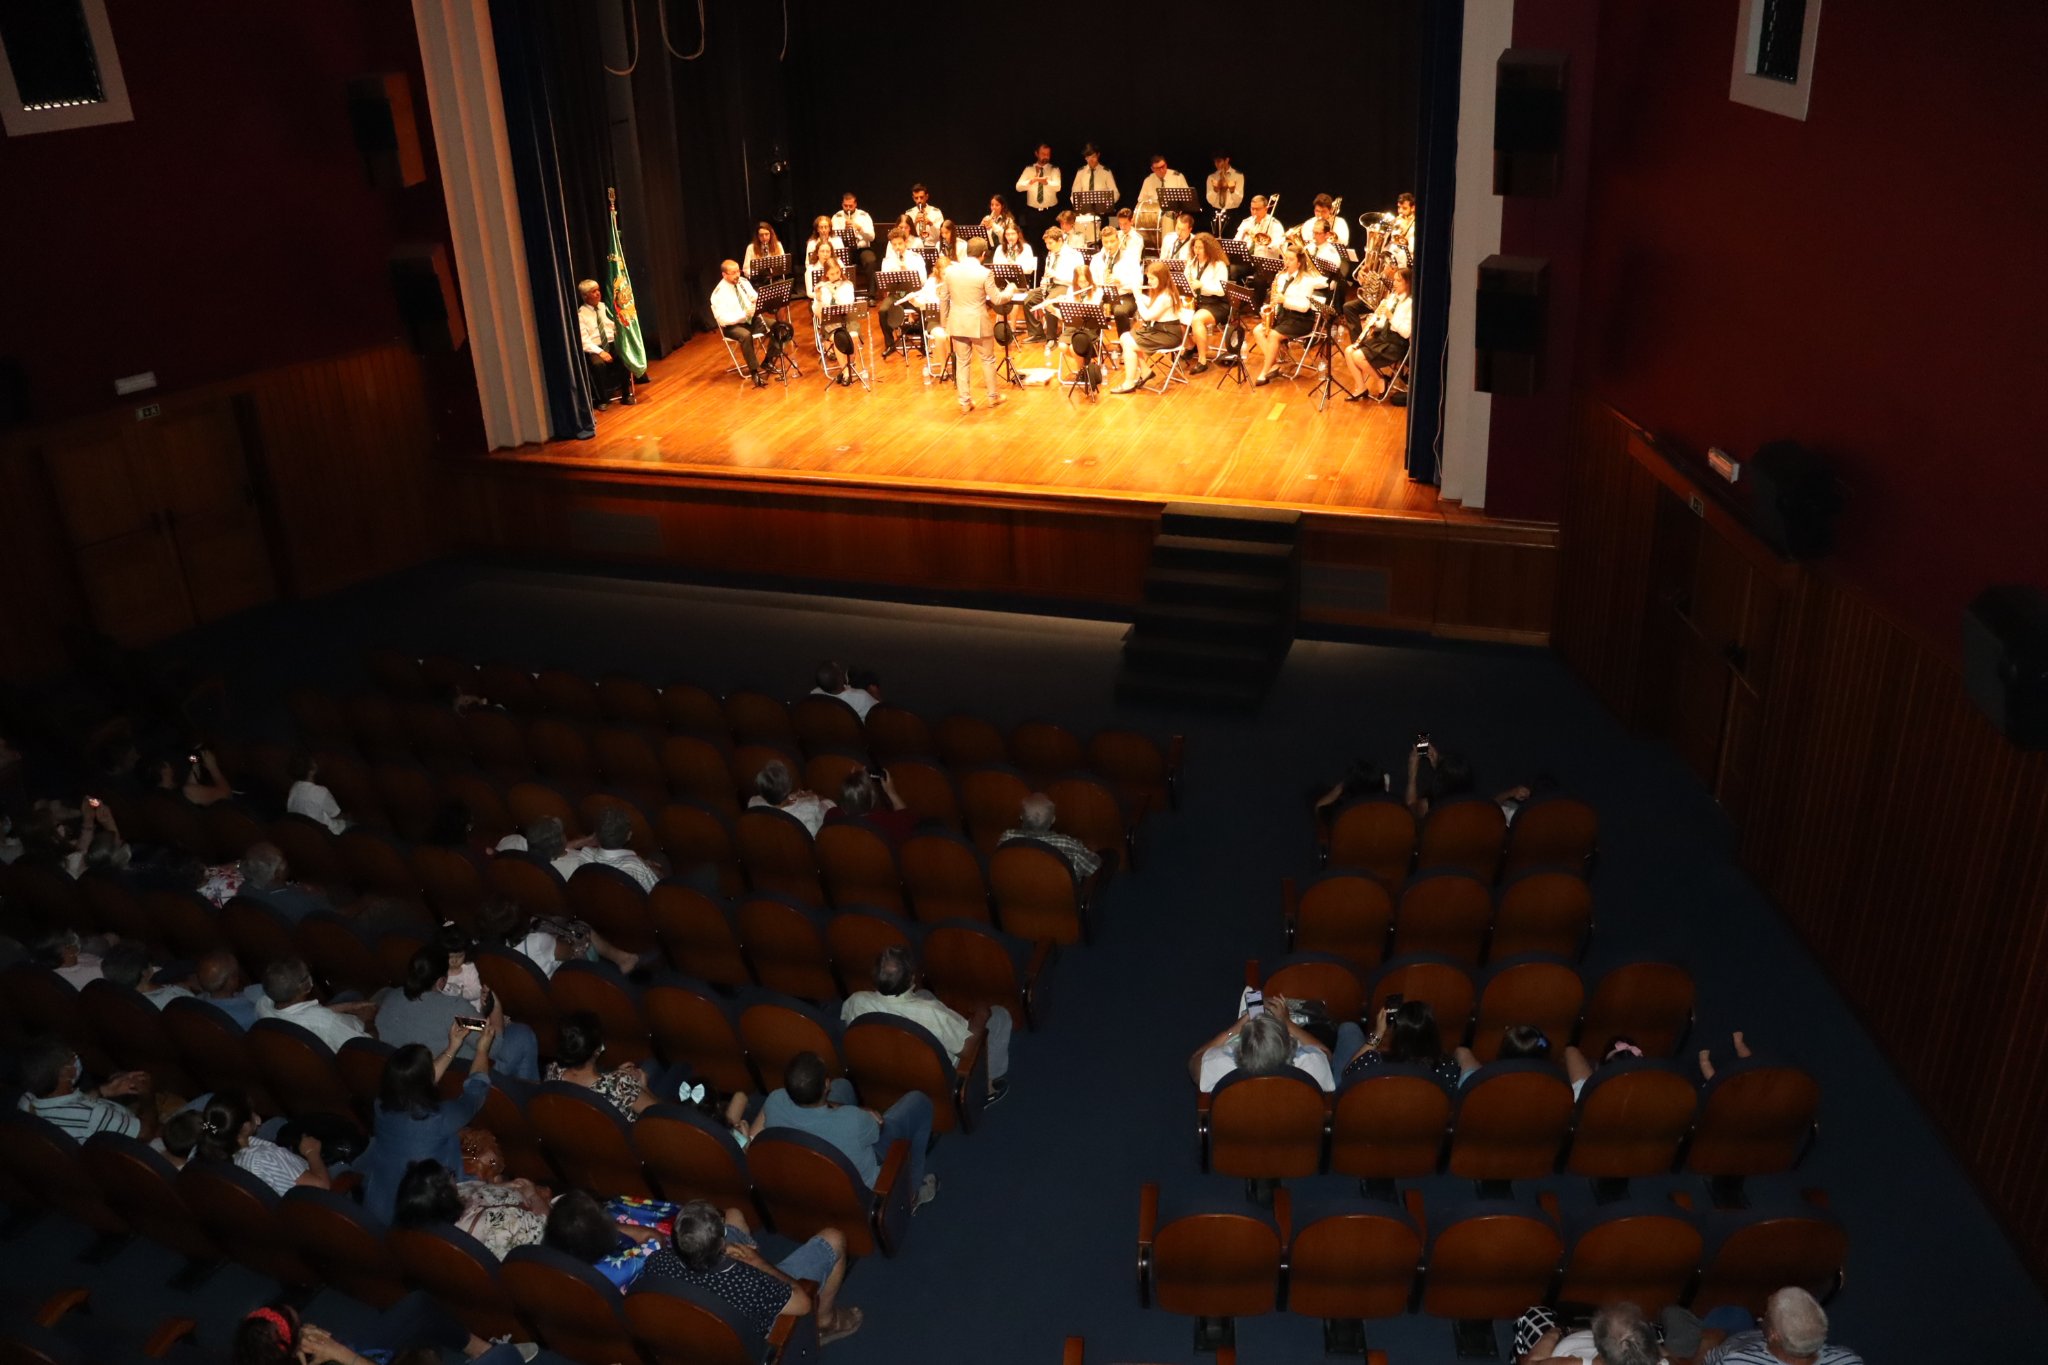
[1421, 744]
[93, 801]
[471, 1022]
[1392, 1003]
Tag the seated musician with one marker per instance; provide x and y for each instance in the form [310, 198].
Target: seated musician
[1163, 177]
[1383, 343]
[926, 302]
[1062, 260]
[764, 245]
[818, 249]
[923, 216]
[1290, 309]
[900, 256]
[1404, 219]
[732, 307]
[1175, 236]
[1326, 212]
[1261, 231]
[856, 231]
[1162, 324]
[1084, 289]
[1225, 189]
[1014, 250]
[996, 220]
[1120, 265]
[834, 290]
[1323, 247]
[1208, 271]
[951, 244]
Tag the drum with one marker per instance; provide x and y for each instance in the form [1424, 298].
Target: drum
[1146, 220]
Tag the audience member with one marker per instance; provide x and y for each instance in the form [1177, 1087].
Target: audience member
[858, 805]
[308, 798]
[864, 1136]
[1362, 780]
[717, 1252]
[228, 1132]
[548, 943]
[500, 1217]
[833, 681]
[1619, 1336]
[1707, 1056]
[195, 776]
[68, 955]
[578, 1048]
[896, 993]
[288, 995]
[612, 845]
[55, 1090]
[1439, 775]
[1580, 1070]
[219, 978]
[128, 964]
[266, 879]
[276, 1336]
[1793, 1331]
[412, 1122]
[1406, 1034]
[776, 786]
[1034, 822]
[180, 1136]
[1261, 1043]
[418, 1011]
[99, 842]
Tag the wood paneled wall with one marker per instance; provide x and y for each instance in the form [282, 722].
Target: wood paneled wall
[1903, 837]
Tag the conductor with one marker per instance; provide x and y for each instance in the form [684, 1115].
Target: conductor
[968, 298]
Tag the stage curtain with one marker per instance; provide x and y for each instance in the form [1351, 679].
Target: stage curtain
[555, 260]
[1436, 203]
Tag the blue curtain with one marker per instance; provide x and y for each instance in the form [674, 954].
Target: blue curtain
[1436, 201]
[520, 30]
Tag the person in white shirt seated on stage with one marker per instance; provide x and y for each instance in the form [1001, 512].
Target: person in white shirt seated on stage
[853, 221]
[308, 798]
[1121, 264]
[1084, 289]
[1163, 177]
[835, 680]
[900, 256]
[951, 244]
[997, 220]
[733, 308]
[1290, 311]
[1208, 272]
[1176, 234]
[1224, 188]
[1262, 1042]
[599, 333]
[926, 302]
[1324, 249]
[288, 995]
[766, 244]
[1261, 231]
[1014, 250]
[819, 248]
[1325, 211]
[1383, 342]
[896, 993]
[834, 290]
[1062, 260]
[1163, 324]
[923, 217]
[776, 786]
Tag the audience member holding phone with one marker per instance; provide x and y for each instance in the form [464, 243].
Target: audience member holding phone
[1404, 1033]
[1264, 1039]
[1438, 775]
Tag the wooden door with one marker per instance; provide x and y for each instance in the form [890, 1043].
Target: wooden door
[202, 474]
[127, 563]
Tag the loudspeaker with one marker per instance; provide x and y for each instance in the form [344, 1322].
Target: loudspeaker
[1508, 324]
[1794, 498]
[1528, 121]
[2005, 661]
[427, 299]
[380, 114]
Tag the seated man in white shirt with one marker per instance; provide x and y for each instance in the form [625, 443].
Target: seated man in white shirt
[54, 1090]
[128, 964]
[1163, 177]
[598, 331]
[66, 954]
[612, 845]
[1261, 1042]
[288, 995]
[308, 798]
[895, 978]
[776, 786]
[833, 681]
[733, 308]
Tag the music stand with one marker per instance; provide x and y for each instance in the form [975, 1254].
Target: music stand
[1238, 253]
[1095, 317]
[1231, 362]
[930, 254]
[902, 284]
[835, 315]
[1174, 200]
[1177, 271]
[773, 298]
[769, 268]
[1327, 343]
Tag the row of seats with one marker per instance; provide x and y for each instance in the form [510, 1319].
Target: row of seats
[1488, 1260]
[1511, 1120]
[1380, 835]
[311, 1239]
[1448, 912]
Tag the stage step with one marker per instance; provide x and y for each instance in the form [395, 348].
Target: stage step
[1219, 608]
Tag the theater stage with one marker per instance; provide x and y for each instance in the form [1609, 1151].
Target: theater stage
[1043, 498]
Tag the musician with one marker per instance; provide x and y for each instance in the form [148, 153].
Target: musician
[732, 307]
[1175, 235]
[1384, 342]
[951, 244]
[1208, 271]
[969, 299]
[899, 256]
[1040, 186]
[1290, 309]
[1121, 267]
[995, 220]
[1163, 315]
[1163, 177]
[1323, 248]
[857, 233]
[1261, 231]
[1083, 290]
[923, 217]
[1092, 178]
[818, 249]
[599, 331]
[1014, 250]
[1404, 219]
[1326, 212]
[834, 290]
[1225, 189]
[1063, 261]
[926, 301]
[764, 245]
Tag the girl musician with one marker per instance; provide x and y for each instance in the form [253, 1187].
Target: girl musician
[1208, 270]
[951, 244]
[1120, 265]
[1163, 324]
[1290, 309]
[1014, 250]
[834, 290]
[996, 220]
[900, 256]
[1082, 290]
[1384, 341]
[817, 251]
[764, 245]
[926, 301]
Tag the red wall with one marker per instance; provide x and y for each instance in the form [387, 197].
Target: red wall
[1867, 281]
[230, 227]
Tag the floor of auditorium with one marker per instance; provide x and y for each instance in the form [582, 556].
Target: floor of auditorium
[1032, 1236]
[1233, 443]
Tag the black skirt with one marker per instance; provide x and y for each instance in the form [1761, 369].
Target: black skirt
[1289, 323]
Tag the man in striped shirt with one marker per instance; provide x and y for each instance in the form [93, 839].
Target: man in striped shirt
[51, 1074]
[1794, 1331]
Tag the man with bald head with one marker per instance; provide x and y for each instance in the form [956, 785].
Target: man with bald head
[219, 978]
[734, 306]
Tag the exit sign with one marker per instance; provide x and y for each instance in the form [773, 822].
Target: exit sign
[149, 410]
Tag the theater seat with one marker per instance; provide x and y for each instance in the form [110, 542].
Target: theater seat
[140, 1185]
[1313, 976]
[1262, 1127]
[341, 1245]
[970, 966]
[1089, 809]
[214, 1051]
[573, 1310]
[1633, 1115]
[1511, 1122]
[1445, 912]
[1388, 1123]
[690, 1155]
[597, 987]
[1542, 910]
[859, 867]
[131, 1033]
[1649, 1003]
[238, 1213]
[42, 1168]
[1342, 913]
[1557, 831]
[697, 934]
[588, 1140]
[946, 877]
[459, 1274]
[854, 938]
[784, 940]
[1755, 1118]
[1147, 774]
[1043, 750]
[1445, 985]
[298, 1071]
[1375, 836]
[824, 722]
[521, 989]
[630, 701]
[1753, 1253]
[689, 709]
[757, 718]
[1490, 1261]
[895, 732]
[561, 755]
[775, 851]
[1353, 1265]
[612, 902]
[806, 1184]
[1467, 832]
[991, 799]
[927, 789]
[1639, 1251]
[966, 742]
[1213, 1266]
[1544, 992]
[775, 1028]
[888, 1056]
[679, 1324]
[690, 1024]
[1036, 893]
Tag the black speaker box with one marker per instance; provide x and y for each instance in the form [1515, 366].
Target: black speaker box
[1528, 121]
[427, 298]
[1508, 324]
[2005, 661]
[387, 134]
[1794, 498]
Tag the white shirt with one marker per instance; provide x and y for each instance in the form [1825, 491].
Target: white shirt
[919, 1007]
[1396, 313]
[315, 802]
[1148, 192]
[732, 302]
[1269, 228]
[1579, 1346]
[1232, 192]
[1173, 246]
[863, 226]
[925, 221]
[1096, 178]
[1060, 266]
[859, 698]
[1025, 257]
[1299, 292]
[1221, 1060]
[805, 806]
[628, 862]
[911, 260]
[1208, 282]
[1159, 307]
[1330, 253]
[1036, 195]
[1127, 271]
[834, 293]
[323, 1023]
[539, 947]
[753, 253]
[594, 322]
[273, 1165]
[1337, 225]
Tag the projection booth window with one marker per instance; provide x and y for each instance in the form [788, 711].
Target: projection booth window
[58, 67]
[1774, 41]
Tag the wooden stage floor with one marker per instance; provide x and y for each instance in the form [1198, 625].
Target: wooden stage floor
[1234, 444]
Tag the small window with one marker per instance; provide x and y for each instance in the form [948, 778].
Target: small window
[57, 67]
[1774, 42]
